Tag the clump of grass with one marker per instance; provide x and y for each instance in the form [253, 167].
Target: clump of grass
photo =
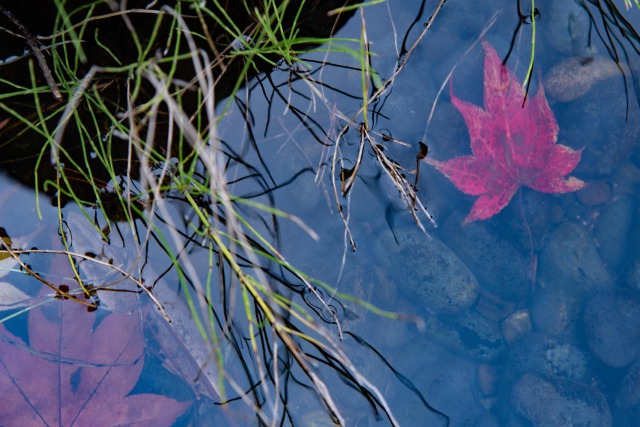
[148, 148]
[627, 4]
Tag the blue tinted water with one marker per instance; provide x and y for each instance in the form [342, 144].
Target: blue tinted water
[536, 339]
[531, 317]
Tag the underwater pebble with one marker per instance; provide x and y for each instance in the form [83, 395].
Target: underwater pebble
[529, 230]
[565, 360]
[556, 311]
[493, 307]
[448, 383]
[516, 326]
[467, 22]
[548, 356]
[466, 334]
[370, 284]
[559, 403]
[315, 418]
[612, 231]
[300, 196]
[566, 26]
[627, 404]
[633, 275]
[596, 192]
[574, 77]
[570, 260]
[607, 135]
[432, 275]
[569, 269]
[498, 265]
[627, 178]
[487, 377]
[612, 327]
[630, 269]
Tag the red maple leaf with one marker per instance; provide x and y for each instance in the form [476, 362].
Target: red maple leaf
[512, 145]
[70, 374]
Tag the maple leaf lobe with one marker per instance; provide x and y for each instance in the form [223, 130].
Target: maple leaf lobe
[512, 145]
[73, 374]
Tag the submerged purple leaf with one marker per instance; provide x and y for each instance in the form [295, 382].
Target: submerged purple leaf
[76, 372]
[512, 145]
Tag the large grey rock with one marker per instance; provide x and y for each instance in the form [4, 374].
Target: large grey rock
[627, 404]
[607, 135]
[547, 356]
[467, 334]
[569, 270]
[613, 231]
[566, 26]
[612, 327]
[556, 309]
[448, 382]
[500, 266]
[516, 326]
[431, 274]
[570, 259]
[574, 77]
[548, 403]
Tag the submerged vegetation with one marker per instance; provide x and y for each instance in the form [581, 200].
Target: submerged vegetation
[115, 114]
[122, 109]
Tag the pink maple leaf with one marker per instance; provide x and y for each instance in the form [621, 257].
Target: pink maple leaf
[76, 373]
[512, 145]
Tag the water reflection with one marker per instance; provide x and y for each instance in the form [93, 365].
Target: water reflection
[521, 348]
[529, 318]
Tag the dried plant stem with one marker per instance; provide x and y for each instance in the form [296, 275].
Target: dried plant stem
[400, 182]
[33, 44]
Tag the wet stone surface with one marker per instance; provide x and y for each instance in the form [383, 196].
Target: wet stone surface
[569, 269]
[596, 193]
[431, 274]
[567, 27]
[627, 177]
[499, 266]
[574, 77]
[612, 327]
[608, 136]
[529, 220]
[467, 334]
[612, 231]
[556, 311]
[548, 356]
[627, 404]
[633, 275]
[371, 285]
[570, 259]
[559, 403]
[516, 326]
[448, 383]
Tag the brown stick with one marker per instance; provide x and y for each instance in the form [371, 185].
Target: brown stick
[33, 44]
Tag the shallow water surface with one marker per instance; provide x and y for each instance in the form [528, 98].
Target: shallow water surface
[530, 317]
[519, 310]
